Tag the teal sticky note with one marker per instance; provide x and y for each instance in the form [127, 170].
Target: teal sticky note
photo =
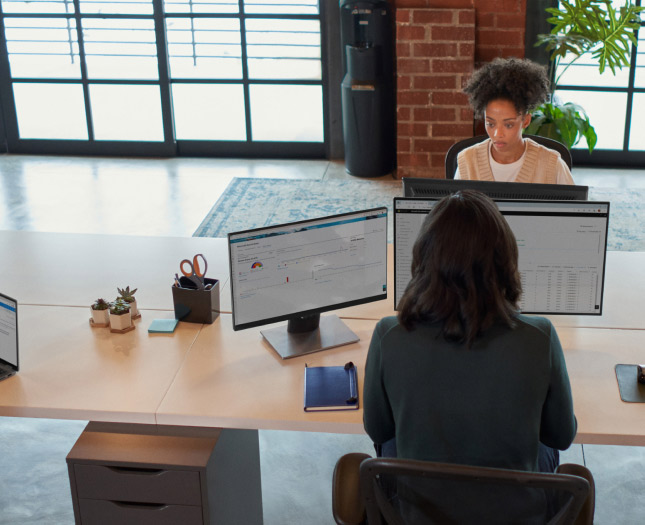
[162, 326]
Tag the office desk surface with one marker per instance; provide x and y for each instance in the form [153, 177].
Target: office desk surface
[69, 370]
[75, 269]
[236, 380]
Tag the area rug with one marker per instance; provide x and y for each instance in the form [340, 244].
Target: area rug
[252, 203]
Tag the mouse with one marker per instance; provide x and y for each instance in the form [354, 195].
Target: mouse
[640, 373]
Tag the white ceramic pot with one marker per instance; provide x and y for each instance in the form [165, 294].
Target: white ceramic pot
[120, 322]
[134, 311]
[100, 316]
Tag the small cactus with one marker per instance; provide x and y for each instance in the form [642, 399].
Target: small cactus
[119, 307]
[126, 294]
[100, 304]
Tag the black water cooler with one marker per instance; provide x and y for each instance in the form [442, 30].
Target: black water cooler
[367, 90]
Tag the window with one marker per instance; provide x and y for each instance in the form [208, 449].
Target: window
[163, 76]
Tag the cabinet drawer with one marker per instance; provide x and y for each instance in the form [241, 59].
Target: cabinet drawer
[100, 512]
[170, 487]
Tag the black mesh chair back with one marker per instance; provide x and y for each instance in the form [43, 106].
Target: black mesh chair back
[407, 492]
[457, 147]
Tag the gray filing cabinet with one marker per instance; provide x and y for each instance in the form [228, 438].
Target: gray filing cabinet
[150, 474]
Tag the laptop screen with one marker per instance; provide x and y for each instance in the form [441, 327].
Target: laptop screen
[8, 332]
[562, 247]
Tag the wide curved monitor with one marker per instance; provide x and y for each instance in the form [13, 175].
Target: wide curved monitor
[294, 272]
[562, 248]
[437, 188]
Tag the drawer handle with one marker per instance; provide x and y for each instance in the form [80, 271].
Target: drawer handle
[141, 471]
[154, 507]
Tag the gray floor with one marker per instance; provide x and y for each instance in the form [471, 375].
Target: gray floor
[171, 197]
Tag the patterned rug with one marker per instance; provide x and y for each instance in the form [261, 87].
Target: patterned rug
[252, 203]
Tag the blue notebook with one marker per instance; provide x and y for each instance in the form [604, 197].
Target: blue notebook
[331, 388]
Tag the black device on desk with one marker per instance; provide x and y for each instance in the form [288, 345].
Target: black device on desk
[8, 336]
[437, 188]
[562, 248]
[296, 271]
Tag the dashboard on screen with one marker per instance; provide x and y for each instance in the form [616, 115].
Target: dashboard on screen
[562, 248]
[308, 267]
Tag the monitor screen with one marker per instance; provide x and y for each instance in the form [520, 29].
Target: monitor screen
[8, 331]
[437, 188]
[295, 270]
[562, 247]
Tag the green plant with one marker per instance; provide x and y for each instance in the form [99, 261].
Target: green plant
[582, 27]
[126, 294]
[100, 304]
[119, 307]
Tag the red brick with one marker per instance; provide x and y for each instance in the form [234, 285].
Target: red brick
[433, 16]
[435, 82]
[435, 50]
[433, 114]
[467, 16]
[410, 33]
[487, 37]
[441, 98]
[501, 6]
[433, 4]
[431, 145]
[442, 65]
[414, 159]
[466, 49]
[413, 65]
[404, 145]
[451, 130]
[438, 160]
[510, 21]
[413, 98]
[403, 114]
[452, 34]
[484, 19]
[466, 115]
[403, 82]
[403, 49]
[402, 16]
[403, 129]
[420, 129]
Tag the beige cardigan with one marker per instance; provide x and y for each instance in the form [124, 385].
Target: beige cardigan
[540, 163]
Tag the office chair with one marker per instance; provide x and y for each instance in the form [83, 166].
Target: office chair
[455, 149]
[393, 491]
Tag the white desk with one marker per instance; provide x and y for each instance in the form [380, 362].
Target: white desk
[69, 370]
[75, 269]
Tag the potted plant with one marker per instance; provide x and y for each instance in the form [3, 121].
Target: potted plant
[127, 295]
[120, 316]
[582, 27]
[100, 313]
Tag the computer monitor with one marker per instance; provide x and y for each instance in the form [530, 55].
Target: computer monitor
[437, 188]
[296, 271]
[562, 248]
[8, 336]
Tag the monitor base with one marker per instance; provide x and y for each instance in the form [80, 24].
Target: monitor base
[330, 333]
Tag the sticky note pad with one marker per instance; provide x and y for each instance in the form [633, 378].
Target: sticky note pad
[162, 326]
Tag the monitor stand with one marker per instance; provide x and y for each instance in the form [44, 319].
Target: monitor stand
[310, 334]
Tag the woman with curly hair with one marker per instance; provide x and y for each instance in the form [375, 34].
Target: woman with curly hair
[504, 92]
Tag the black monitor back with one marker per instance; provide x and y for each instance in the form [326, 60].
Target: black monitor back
[437, 188]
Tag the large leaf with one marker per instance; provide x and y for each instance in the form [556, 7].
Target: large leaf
[567, 123]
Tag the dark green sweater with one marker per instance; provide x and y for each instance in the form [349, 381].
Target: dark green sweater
[489, 405]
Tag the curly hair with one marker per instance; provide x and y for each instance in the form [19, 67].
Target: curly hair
[465, 272]
[520, 81]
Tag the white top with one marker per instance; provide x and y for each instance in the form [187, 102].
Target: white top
[509, 172]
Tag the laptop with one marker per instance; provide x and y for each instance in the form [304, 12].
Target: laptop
[8, 336]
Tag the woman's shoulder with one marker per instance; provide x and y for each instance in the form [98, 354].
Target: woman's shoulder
[535, 322]
[543, 150]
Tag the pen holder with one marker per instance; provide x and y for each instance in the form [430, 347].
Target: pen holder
[193, 305]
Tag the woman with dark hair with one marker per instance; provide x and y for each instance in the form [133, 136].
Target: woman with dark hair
[460, 376]
[504, 92]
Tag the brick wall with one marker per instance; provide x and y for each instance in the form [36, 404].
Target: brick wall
[438, 44]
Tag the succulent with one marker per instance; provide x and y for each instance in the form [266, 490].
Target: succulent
[126, 294]
[119, 307]
[100, 304]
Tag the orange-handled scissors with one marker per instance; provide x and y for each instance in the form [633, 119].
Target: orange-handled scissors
[196, 273]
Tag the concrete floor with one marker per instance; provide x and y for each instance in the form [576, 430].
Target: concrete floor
[170, 197]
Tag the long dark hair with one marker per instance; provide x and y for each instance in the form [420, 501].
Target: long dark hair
[464, 269]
